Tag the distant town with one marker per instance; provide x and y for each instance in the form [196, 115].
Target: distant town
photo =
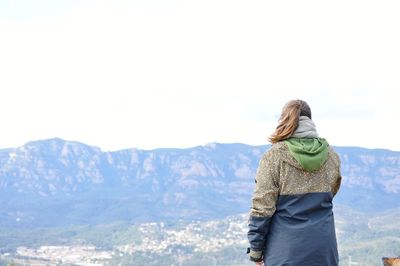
[156, 238]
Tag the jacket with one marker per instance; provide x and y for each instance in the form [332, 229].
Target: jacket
[291, 220]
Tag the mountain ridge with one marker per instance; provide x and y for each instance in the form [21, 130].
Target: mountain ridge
[54, 181]
[181, 148]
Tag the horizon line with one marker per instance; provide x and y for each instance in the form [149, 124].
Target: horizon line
[175, 148]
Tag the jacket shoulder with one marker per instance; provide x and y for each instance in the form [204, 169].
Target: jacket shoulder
[278, 147]
[276, 150]
[280, 152]
[334, 156]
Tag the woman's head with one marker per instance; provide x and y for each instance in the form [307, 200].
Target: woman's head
[289, 119]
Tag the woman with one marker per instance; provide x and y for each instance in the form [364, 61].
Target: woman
[291, 220]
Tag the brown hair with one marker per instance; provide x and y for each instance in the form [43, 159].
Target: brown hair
[289, 119]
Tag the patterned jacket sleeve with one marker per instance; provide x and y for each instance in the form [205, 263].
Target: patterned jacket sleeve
[338, 181]
[263, 204]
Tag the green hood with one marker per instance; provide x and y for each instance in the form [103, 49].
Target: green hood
[311, 153]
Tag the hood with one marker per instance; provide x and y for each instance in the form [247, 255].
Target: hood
[310, 153]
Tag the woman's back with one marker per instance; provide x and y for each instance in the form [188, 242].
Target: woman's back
[302, 228]
[291, 220]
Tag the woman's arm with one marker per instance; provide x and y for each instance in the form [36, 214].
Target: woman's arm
[263, 204]
[338, 181]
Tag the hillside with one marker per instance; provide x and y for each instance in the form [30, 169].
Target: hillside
[362, 238]
[56, 183]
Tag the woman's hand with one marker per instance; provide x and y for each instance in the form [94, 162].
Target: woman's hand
[260, 263]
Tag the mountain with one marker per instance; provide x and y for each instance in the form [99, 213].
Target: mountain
[56, 182]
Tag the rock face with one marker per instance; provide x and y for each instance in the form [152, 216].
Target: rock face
[57, 182]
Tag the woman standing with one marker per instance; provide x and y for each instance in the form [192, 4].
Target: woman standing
[291, 220]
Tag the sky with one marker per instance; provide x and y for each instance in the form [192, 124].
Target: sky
[152, 74]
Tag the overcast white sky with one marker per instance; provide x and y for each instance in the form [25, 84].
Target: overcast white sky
[149, 74]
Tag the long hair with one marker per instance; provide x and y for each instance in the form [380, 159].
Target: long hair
[289, 119]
